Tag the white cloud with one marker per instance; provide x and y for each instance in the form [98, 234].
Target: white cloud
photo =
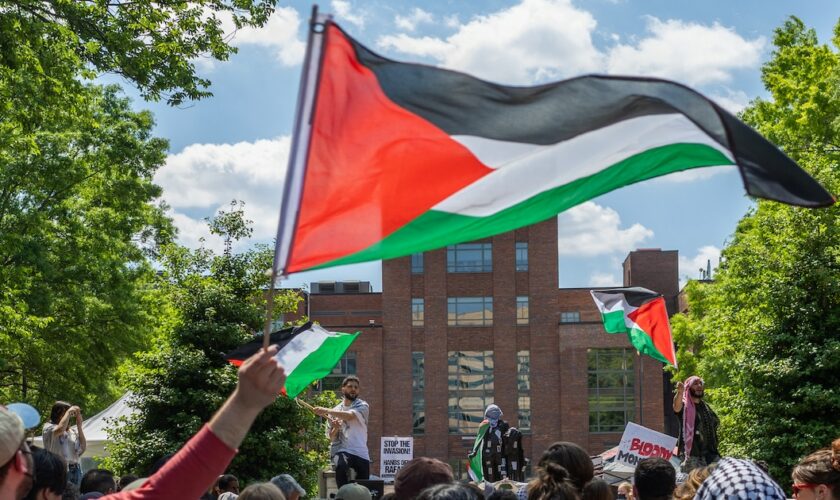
[279, 34]
[415, 17]
[686, 51]
[534, 40]
[344, 12]
[451, 21]
[204, 178]
[600, 280]
[690, 266]
[733, 101]
[590, 229]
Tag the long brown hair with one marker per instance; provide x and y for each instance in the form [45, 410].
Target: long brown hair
[821, 467]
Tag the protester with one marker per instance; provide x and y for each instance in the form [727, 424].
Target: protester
[501, 494]
[125, 480]
[204, 457]
[353, 491]
[419, 474]
[290, 488]
[625, 491]
[261, 491]
[16, 465]
[687, 489]
[62, 439]
[654, 479]
[574, 459]
[50, 476]
[227, 487]
[347, 430]
[100, 480]
[698, 440]
[597, 489]
[553, 482]
[734, 478]
[450, 491]
[818, 475]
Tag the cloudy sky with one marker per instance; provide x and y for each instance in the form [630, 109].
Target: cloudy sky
[235, 144]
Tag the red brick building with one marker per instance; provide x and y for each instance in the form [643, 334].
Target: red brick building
[459, 328]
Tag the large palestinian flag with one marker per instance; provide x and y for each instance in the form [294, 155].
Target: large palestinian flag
[476, 458]
[307, 353]
[642, 315]
[390, 158]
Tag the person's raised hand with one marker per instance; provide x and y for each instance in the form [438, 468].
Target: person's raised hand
[260, 379]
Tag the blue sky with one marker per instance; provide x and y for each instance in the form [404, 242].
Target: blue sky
[235, 144]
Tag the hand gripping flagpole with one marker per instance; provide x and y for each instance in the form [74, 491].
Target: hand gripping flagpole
[293, 188]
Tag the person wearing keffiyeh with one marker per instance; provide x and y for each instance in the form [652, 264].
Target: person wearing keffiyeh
[698, 442]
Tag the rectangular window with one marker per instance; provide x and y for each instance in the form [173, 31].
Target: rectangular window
[523, 387]
[521, 255]
[418, 308]
[345, 366]
[470, 389]
[417, 263]
[570, 317]
[610, 380]
[469, 311]
[522, 310]
[418, 401]
[469, 258]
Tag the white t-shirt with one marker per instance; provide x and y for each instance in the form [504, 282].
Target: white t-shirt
[65, 445]
[353, 436]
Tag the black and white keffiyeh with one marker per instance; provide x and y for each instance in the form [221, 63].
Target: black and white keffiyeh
[734, 478]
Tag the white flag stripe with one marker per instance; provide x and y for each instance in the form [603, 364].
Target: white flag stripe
[303, 344]
[534, 169]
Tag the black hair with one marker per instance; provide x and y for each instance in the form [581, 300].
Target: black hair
[655, 478]
[125, 480]
[159, 463]
[59, 408]
[225, 481]
[573, 458]
[597, 489]
[50, 473]
[100, 480]
[350, 378]
[553, 482]
[449, 491]
[502, 495]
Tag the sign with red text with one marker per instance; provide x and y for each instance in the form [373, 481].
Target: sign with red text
[639, 443]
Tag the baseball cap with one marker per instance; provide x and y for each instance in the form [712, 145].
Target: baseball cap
[353, 491]
[27, 414]
[287, 483]
[11, 434]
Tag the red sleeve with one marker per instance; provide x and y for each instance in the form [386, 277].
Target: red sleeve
[189, 474]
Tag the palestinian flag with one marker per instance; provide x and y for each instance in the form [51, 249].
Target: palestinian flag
[307, 353]
[642, 315]
[391, 158]
[475, 470]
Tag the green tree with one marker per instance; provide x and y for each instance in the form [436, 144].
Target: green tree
[766, 334]
[215, 303]
[77, 223]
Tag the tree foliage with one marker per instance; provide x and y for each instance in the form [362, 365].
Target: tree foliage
[766, 334]
[214, 304]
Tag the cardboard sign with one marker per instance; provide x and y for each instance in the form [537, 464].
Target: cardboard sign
[639, 443]
[394, 453]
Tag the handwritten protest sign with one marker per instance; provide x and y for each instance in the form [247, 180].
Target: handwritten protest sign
[639, 443]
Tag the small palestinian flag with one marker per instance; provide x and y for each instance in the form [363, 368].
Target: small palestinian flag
[391, 158]
[475, 471]
[642, 315]
[307, 353]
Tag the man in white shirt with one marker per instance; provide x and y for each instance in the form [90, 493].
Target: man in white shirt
[348, 433]
[62, 439]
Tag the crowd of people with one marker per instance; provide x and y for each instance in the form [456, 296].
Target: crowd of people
[564, 471]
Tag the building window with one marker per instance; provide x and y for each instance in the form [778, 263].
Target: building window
[521, 255]
[470, 389]
[469, 258]
[418, 401]
[417, 263]
[523, 387]
[610, 382]
[418, 308]
[570, 317]
[345, 366]
[522, 310]
[470, 311]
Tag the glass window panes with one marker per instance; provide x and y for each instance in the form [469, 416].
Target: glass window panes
[470, 389]
[345, 366]
[521, 255]
[570, 317]
[418, 384]
[522, 310]
[417, 263]
[611, 382]
[418, 308]
[470, 311]
[523, 387]
[469, 258]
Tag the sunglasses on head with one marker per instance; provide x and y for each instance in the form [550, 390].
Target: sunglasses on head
[797, 487]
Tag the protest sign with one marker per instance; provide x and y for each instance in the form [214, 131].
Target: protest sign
[639, 443]
[395, 452]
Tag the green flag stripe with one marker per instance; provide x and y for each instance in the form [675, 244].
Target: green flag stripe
[435, 229]
[614, 322]
[644, 344]
[318, 364]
